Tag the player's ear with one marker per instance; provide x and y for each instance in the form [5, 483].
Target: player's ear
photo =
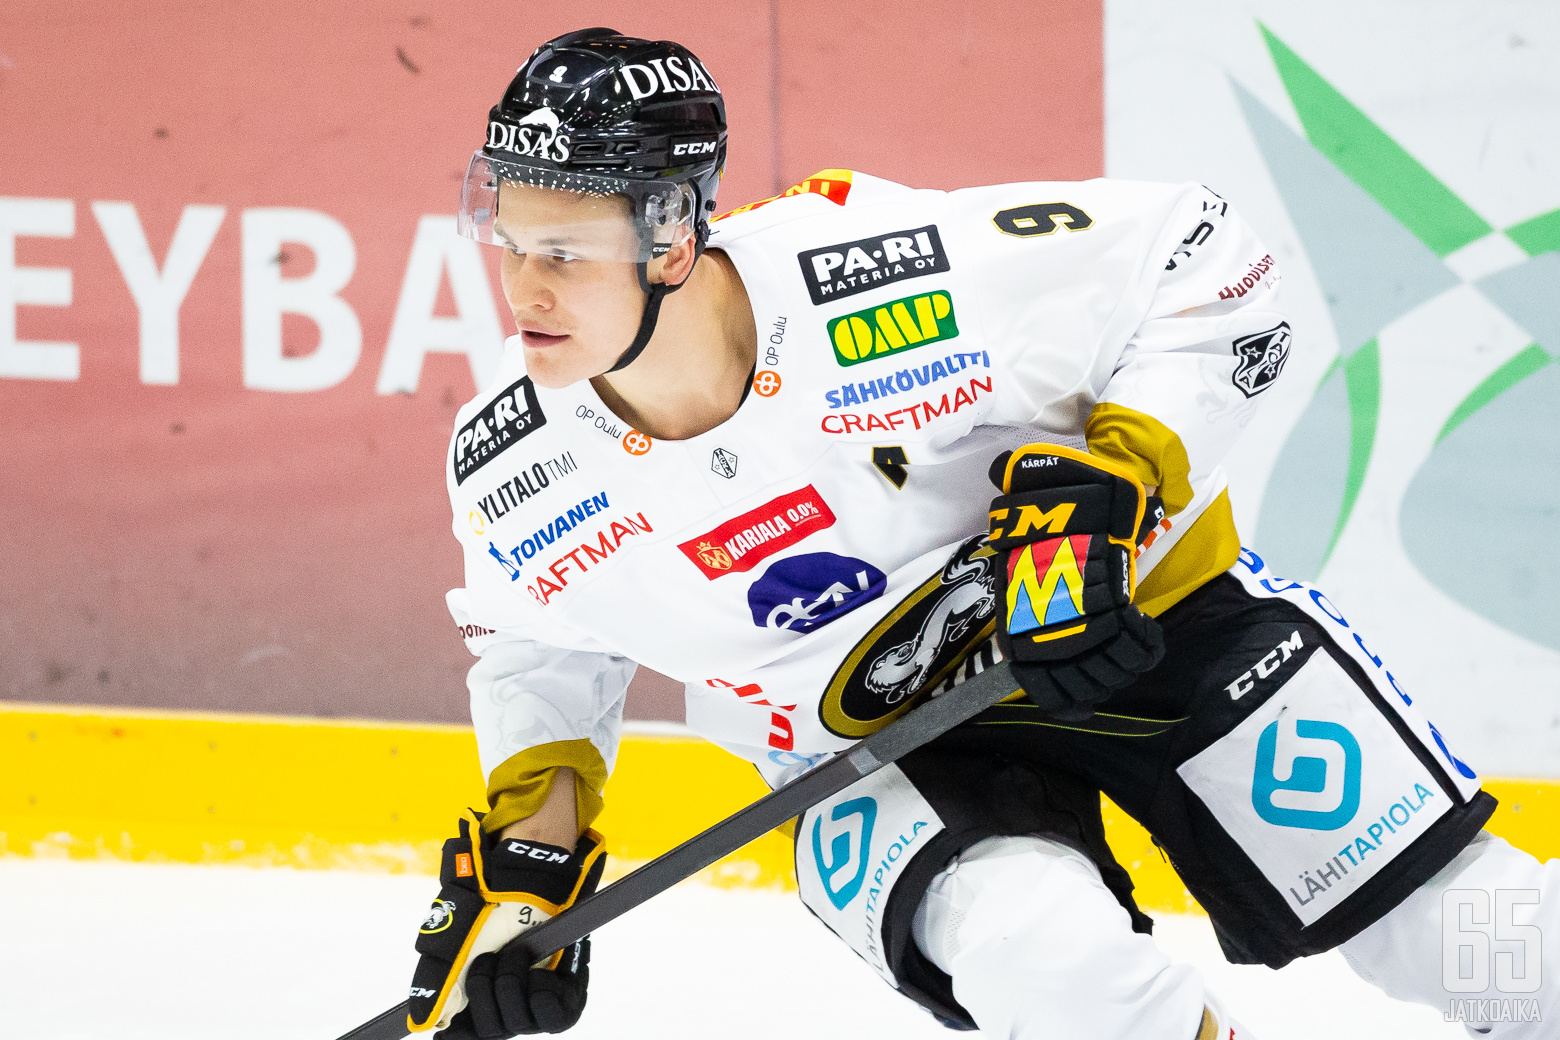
[674, 267]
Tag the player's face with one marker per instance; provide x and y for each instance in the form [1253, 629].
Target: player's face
[576, 316]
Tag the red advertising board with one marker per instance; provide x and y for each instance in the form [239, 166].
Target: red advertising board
[235, 324]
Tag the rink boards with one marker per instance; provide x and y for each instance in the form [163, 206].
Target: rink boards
[271, 790]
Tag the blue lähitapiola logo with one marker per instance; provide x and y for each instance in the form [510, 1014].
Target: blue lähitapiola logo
[840, 850]
[1317, 793]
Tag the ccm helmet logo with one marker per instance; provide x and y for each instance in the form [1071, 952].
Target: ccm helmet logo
[694, 148]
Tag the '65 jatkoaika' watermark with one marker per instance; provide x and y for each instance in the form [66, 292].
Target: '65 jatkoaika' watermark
[1488, 949]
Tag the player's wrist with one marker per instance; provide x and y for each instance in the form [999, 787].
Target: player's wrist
[556, 822]
[562, 833]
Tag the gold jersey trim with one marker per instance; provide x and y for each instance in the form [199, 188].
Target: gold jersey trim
[519, 786]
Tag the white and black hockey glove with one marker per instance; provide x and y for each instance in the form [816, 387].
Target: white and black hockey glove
[1066, 526]
[471, 981]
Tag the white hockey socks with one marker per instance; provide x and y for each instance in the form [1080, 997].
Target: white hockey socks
[1039, 948]
[1470, 943]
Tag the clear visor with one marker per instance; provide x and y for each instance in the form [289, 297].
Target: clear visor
[572, 215]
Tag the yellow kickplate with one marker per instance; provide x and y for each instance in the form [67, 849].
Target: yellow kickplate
[304, 792]
[269, 790]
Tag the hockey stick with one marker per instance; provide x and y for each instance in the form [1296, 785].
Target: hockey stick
[912, 730]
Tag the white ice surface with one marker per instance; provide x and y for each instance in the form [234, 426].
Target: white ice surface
[108, 951]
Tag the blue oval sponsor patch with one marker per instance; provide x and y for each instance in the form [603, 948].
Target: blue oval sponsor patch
[801, 593]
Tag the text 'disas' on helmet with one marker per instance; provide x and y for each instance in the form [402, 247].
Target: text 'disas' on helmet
[608, 119]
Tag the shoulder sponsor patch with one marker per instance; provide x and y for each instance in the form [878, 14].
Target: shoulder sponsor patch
[1263, 272]
[506, 420]
[1212, 210]
[745, 541]
[833, 185]
[1260, 358]
[847, 268]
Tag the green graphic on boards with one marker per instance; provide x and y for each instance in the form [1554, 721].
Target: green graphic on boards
[1524, 364]
[1376, 225]
[1539, 235]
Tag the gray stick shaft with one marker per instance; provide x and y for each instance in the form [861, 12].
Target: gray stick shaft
[894, 741]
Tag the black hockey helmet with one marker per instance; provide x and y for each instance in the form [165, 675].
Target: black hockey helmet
[601, 114]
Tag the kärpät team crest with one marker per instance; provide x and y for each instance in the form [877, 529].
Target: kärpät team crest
[915, 646]
[1260, 358]
[439, 918]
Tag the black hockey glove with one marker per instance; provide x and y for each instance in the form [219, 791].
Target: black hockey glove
[471, 981]
[1066, 525]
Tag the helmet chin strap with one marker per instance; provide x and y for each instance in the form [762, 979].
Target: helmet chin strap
[655, 292]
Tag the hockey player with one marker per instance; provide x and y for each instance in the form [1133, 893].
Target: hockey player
[752, 453]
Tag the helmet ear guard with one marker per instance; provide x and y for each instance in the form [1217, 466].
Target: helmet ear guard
[666, 211]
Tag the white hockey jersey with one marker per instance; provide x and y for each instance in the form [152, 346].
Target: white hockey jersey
[905, 338]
